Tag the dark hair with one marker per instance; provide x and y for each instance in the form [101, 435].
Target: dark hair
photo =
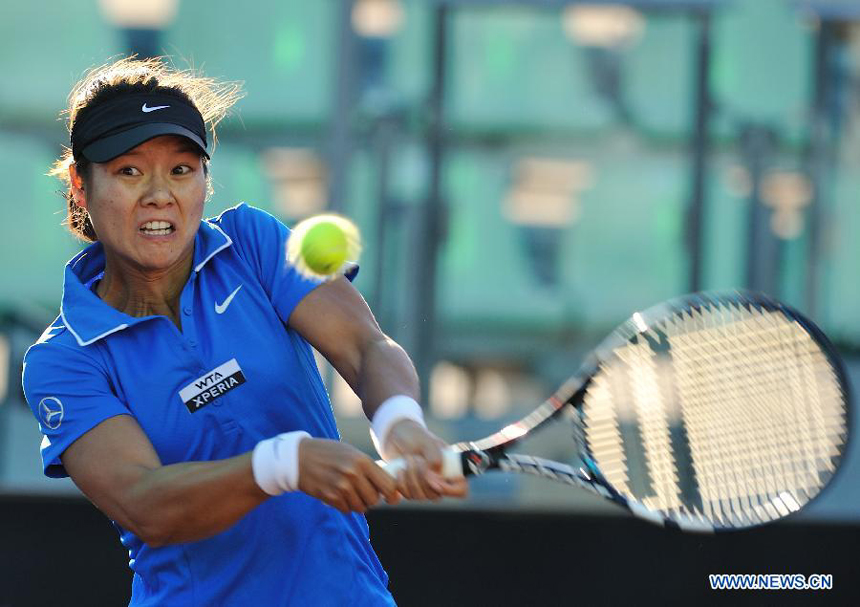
[129, 76]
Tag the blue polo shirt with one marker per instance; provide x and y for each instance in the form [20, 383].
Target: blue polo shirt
[234, 375]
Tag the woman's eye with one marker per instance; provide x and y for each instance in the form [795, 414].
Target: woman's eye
[129, 171]
[182, 169]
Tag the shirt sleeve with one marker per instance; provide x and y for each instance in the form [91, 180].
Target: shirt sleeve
[261, 240]
[69, 394]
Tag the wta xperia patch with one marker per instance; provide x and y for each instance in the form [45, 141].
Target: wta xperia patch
[213, 384]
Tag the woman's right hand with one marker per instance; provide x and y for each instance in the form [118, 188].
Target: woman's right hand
[342, 476]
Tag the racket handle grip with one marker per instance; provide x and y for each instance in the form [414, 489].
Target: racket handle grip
[452, 464]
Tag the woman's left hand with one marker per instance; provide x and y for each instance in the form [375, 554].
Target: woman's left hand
[422, 478]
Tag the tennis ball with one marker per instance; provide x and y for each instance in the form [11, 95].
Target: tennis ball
[324, 247]
[321, 245]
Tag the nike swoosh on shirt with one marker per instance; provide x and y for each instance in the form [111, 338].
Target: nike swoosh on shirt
[220, 308]
[152, 109]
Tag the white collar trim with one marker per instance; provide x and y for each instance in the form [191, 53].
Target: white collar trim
[227, 242]
[82, 342]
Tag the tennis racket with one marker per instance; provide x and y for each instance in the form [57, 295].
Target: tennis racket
[706, 413]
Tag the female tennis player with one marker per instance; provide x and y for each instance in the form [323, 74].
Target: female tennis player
[177, 387]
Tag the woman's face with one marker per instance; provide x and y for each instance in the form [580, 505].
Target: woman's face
[146, 205]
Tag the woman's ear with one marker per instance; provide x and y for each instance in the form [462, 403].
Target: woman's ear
[76, 180]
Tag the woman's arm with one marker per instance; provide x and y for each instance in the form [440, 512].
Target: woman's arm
[335, 319]
[116, 466]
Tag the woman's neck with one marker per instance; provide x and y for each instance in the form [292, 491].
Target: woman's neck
[139, 293]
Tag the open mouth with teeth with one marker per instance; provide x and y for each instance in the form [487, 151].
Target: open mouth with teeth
[157, 228]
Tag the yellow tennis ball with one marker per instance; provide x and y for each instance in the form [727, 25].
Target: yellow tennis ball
[321, 245]
[324, 247]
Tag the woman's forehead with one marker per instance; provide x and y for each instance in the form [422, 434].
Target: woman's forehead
[161, 146]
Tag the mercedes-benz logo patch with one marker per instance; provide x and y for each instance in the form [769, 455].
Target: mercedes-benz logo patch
[51, 412]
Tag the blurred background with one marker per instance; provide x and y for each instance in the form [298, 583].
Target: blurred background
[526, 174]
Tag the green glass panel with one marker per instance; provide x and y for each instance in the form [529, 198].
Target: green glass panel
[725, 221]
[45, 47]
[514, 68]
[34, 246]
[410, 56]
[238, 176]
[762, 64]
[659, 76]
[286, 58]
[840, 288]
[626, 246]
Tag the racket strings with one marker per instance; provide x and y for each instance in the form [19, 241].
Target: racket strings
[747, 490]
[727, 413]
[766, 435]
[768, 427]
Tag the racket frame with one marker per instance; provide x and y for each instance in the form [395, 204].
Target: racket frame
[491, 453]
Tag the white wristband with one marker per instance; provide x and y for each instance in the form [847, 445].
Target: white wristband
[275, 462]
[393, 410]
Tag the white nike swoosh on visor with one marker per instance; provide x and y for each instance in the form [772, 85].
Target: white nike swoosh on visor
[220, 308]
[152, 109]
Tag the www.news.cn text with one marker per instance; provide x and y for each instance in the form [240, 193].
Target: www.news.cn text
[770, 581]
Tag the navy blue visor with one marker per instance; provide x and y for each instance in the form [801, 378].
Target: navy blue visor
[123, 123]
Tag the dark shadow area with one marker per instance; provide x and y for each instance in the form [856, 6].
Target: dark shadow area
[65, 552]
